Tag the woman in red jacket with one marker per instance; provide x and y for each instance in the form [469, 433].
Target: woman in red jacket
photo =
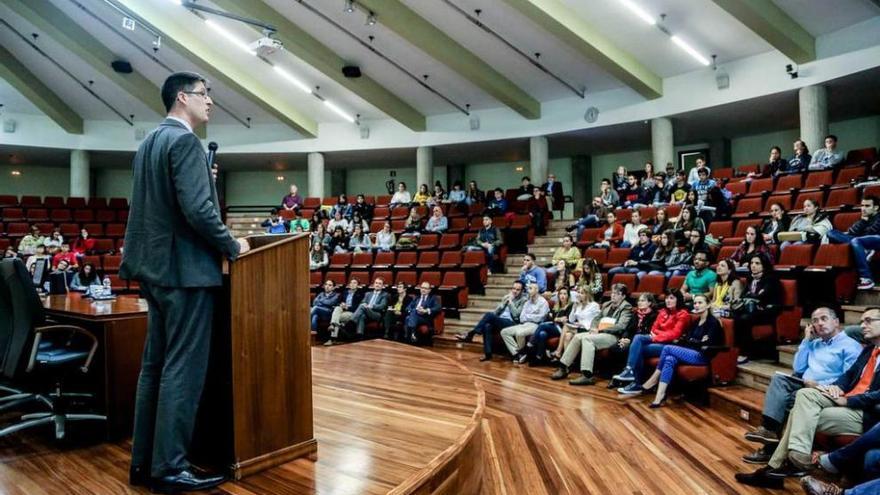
[83, 244]
[670, 324]
[613, 233]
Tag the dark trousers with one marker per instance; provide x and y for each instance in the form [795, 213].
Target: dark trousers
[319, 313]
[362, 315]
[864, 453]
[488, 325]
[391, 322]
[413, 321]
[640, 349]
[172, 376]
[538, 342]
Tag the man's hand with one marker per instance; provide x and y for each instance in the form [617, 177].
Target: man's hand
[832, 391]
[243, 245]
[808, 332]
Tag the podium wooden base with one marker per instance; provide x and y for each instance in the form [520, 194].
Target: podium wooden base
[307, 449]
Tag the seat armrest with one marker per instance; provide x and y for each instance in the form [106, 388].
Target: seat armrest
[39, 331]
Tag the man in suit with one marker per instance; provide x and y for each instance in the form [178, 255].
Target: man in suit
[174, 245]
[372, 307]
[421, 311]
[553, 190]
[344, 312]
[846, 407]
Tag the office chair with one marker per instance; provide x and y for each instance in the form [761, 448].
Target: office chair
[37, 353]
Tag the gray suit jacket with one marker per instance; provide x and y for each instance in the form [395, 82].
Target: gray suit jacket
[175, 235]
[381, 302]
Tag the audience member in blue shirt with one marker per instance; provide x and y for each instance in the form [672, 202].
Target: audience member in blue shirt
[532, 273]
[275, 224]
[496, 206]
[828, 157]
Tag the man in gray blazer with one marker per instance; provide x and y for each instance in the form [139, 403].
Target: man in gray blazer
[372, 307]
[174, 244]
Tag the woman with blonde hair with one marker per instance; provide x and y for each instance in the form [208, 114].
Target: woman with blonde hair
[583, 311]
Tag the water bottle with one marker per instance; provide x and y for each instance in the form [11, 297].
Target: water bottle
[106, 283]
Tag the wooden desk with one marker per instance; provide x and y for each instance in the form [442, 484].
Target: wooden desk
[121, 328]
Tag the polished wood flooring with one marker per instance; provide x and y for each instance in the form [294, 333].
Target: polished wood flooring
[539, 437]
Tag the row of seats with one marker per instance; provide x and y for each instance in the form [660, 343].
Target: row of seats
[61, 215]
[101, 245]
[452, 286]
[68, 230]
[73, 202]
[853, 157]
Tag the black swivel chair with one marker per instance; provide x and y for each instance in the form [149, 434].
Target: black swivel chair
[38, 357]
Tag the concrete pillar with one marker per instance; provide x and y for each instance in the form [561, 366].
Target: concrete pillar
[813, 105]
[80, 180]
[720, 153]
[316, 175]
[539, 154]
[662, 143]
[582, 188]
[424, 168]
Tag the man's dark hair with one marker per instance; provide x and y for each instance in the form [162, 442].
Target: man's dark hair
[831, 136]
[606, 180]
[872, 198]
[177, 82]
[526, 178]
[700, 157]
[703, 171]
[498, 189]
[530, 256]
[777, 148]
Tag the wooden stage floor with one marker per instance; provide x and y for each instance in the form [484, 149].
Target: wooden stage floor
[383, 411]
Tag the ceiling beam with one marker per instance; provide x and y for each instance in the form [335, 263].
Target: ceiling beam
[58, 26]
[399, 18]
[562, 22]
[185, 35]
[30, 86]
[316, 54]
[777, 28]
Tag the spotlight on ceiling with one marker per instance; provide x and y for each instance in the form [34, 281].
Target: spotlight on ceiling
[349, 6]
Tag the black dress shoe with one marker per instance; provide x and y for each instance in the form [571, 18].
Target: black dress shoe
[186, 481]
[486, 357]
[765, 477]
[139, 476]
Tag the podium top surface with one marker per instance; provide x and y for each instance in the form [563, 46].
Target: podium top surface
[264, 242]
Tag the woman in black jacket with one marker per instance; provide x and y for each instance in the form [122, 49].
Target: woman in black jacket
[759, 304]
[778, 221]
[693, 348]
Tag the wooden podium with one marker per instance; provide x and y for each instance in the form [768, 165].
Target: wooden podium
[256, 412]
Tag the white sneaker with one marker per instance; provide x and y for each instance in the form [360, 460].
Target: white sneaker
[866, 284]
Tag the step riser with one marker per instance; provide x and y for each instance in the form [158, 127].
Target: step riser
[748, 417]
[751, 380]
[867, 298]
[786, 359]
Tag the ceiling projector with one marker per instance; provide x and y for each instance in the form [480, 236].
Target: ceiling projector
[266, 46]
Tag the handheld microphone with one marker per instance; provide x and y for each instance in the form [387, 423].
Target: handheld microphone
[212, 151]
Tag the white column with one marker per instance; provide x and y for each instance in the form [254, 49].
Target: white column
[662, 144]
[79, 174]
[316, 175]
[813, 104]
[424, 168]
[539, 155]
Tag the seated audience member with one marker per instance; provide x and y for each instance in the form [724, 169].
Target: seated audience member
[678, 261]
[299, 224]
[641, 252]
[437, 223]
[338, 221]
[362, 208]
[413, 224]
[320, 236]
[342, 207]
[668, 327]
[83, 245]
[801, 158]
[632, 229]
[631, 196]
[488, 238]
[812, 225]
[525, 190]
[553, 192]
[338, 241]
[422, 196]
[65, 255]
[456, 195]
[845, 407]
[28, 244]
[697, 242]
[867, 224]
[778, 221]
[344, 312]
[814, 486]
[323, 304]
[619, 180]
[828, 157]
[10, 253]
[54, 241]
[641, 323]
[564, 279]
[474, 195]
[702, 186]
[860, 458]
[537, 209]
[275, 224]
[497, 205]
[688, 220]
[584, 310]
[532, 273]
[292, 200]
[661, 224]
[40, 254]
[776, 165]
[506, 314]
[824, 354]
[355, 221]
[85, 277]
[567, 253]
[679, 189]
[421, 311]
[694, 174]
[649, 178]
[385, 239]
[701, 280]
[393, 321]
[438, 195]
[727, 291]
[401, 197]
[613, 233]
[592, 216]
[533, 313]
[536, 348]
[603, 333]
[591, 277]
[657, 264]
[752, 244]
[694, 348]
[372, 307]
[759, 304]
[66, 273]
[610, 198]
[658, 193]
[360, 241]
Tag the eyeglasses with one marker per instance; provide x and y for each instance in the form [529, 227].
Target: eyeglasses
[868, 320]
[203, 94]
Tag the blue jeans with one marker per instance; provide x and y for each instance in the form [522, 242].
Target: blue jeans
[837, 237]
[584, 223]
[673, 355]
[488, 325]
[864, 452]
[543, 333]
[623, 269]
[868, 488]
[641, 347]
[320, 313]
[860, 247]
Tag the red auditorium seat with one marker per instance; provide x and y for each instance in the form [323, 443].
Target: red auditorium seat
[648, 213]
[120, 243]
[8, 200]
[458, 225]
[849, 175]
[362, 260]
[784, 200]
[37, 215]
[122, 216]
[725, 252]
[106, 216]
[31, 202]
[627, 279]
[454, 290]
[381, 213]
[427, 242]
[652, 284]
[397, 226]
[760, 187]
[116, 283]
[387, 276]
[450, 260]
[340, 261]
[384, 259]
[115, 230]
[118, 203]
[834, 263]
[747, 169]
[329, 201]
[600, 255]
[399, 212]
[406, 259]
[871, 191]
[95, 229]
[746, 207]
[817, 180]
[722, 368]
[287, 214]
[111, 263]
[476, 224]
[362, 276]
[843, 221]
[97, 203]
[370, 200]
[433, 278]
[45, 227]
[104, 245]
[315, 280]
[588, 238]
[408, 278]
[794, 257]
[467, 237]
[428, 260]
[13, 214]
[95, 260]
[338, 278]
[868, 155]
[623, 215]
[82, 216]
[76, 202]
[449, 242]
[721, 229]
[788, 182]
[788, 323]
[616, 257]
[383, 200]
[723, 173]
[4, 243]
[816, 196]
[474, 263]
[736, 188]
[843, 198]
[53, 202]
[15, 230]
[376, 226]
[675, 282]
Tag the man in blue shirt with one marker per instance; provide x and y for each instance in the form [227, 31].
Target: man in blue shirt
[828, 157]
[824, 354]
[532, 273]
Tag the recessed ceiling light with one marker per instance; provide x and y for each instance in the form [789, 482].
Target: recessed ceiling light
[279, 178]
[690, 50]
[638, 11]
[16, 172]
[349, 6]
